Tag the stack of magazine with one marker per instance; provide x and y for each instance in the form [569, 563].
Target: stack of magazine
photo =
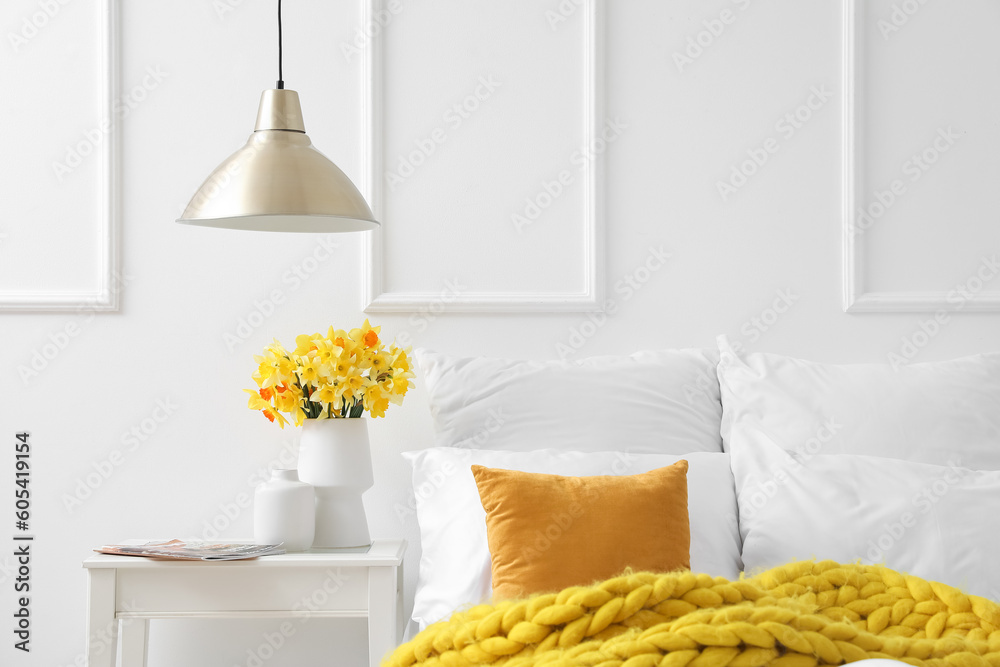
[180, 550]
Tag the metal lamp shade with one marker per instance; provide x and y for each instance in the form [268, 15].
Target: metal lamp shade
[278, 182]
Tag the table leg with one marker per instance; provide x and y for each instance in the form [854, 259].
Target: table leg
[133, 637]
[102, 628]
[382, 635]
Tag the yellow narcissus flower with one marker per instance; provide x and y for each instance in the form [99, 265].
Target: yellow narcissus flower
[274, 367]
[338, 336]
[367, 335]
[363, 361]
[273, 415]
[327, 394]
[327, 352]
[342, 368]
[372, 394]
[401, 383]
[287, 397]
[378, 408]
[266, 367]
[351, 387]
[336, 376]
[308, 369]
[286, 370]
[379, 362]
[305, 343]
[400, 361]
[257, 402]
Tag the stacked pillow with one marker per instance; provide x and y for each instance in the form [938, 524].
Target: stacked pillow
[926, 412]
[658, 402]
[839, 462]
[548, 532]
[603, 416]
[455, 564]
[862, 461]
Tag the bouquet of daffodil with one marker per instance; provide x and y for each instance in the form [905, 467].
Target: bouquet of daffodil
[340, 375]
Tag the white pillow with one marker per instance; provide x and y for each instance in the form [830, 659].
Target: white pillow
[662, 402]
[926, 412]
[935, 522]
[455, 559]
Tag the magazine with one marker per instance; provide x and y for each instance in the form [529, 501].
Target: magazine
[180, 550]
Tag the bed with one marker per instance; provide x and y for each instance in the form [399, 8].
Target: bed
[786, 464]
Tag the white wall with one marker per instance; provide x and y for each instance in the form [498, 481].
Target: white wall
[188, 287]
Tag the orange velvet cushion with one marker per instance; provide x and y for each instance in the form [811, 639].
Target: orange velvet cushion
[547, 532]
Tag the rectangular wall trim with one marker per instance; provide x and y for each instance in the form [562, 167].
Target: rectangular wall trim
[856, 298]
[106, 296]
[376, 299]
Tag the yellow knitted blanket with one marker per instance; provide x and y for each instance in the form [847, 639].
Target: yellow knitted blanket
[797, 615]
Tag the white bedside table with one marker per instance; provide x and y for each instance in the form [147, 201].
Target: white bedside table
[125, 593]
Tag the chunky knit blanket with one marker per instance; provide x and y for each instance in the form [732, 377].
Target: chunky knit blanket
[797, 615]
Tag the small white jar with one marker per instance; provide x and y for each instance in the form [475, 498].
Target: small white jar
[284, 510]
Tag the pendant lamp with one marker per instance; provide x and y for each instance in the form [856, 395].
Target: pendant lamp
[279, 182]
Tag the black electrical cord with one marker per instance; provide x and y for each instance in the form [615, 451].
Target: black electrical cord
[281, 83]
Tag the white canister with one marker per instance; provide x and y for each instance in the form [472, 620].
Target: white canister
[284, 510]
[335, 457]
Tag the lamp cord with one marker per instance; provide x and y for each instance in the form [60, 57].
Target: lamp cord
[281, 83]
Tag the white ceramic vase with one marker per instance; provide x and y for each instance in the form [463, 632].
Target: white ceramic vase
[335, 457]
[284, 510]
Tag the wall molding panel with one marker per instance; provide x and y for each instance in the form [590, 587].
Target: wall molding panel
[106, 296]
[590, 298]
[856, 296]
